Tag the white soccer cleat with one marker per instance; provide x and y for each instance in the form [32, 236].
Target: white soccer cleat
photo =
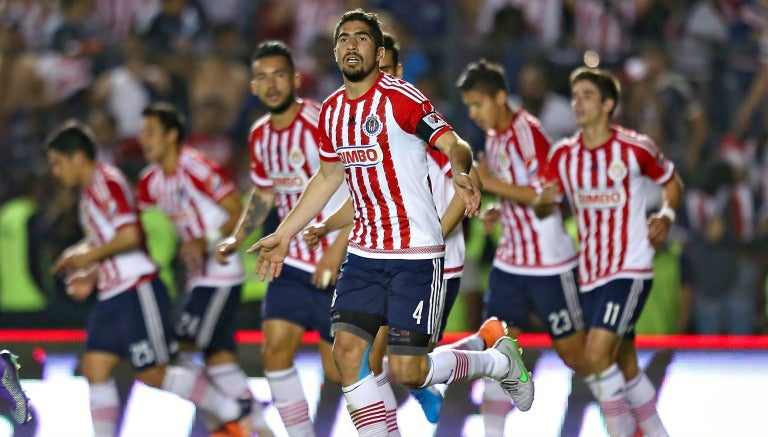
[518, 382]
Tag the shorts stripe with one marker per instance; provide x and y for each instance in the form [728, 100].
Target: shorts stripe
[571, 292]
[629, 310]
[435, 336]
[436, 296]
[153, 321]
[211, 316]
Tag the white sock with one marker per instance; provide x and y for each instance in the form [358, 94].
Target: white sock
[366, 408]
[232, 381]
[105, 408]
[288, 397]
[472, 343]
[641, 398]
[608, 389]
[390, 403]
[197, 389]
[495, 407]
[449, 366]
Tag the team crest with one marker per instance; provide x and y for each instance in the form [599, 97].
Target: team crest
[296, 158]
[617, 170]
[372, 126]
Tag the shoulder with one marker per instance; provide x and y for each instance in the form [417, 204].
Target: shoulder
[334, 97]
[109, 180]
[565, 144]
[195, 163]
[148, 173]
[310, 111]
[396, 88]
[635, 139]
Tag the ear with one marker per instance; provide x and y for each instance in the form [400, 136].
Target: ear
[500, 98]
[297, 80]
[253, 86]
[399, 71]
[335, 55]
[609, 105]
[380, 54]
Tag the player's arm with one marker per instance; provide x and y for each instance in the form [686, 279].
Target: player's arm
[659, 223]
[251, 217]
[128, 237]
[329, 265]
[522, 194]
[273, 248]
[343, 217]
[460, 155]
[454, 214]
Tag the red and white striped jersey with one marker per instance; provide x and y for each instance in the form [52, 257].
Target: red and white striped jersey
[107, 205]
[284, 160]
[605, 188]
[529, 245]
[443, 191]
[190, 198]
[379, 137]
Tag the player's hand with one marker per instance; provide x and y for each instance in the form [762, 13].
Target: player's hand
[80, 283]
[327, 269]
[550, 195]
[225, 248]
[74, 258]
[192, 252]
[272, 251]
[469, 193]
[490, 217]
[658, 228]
[314, 234]
[481, 166]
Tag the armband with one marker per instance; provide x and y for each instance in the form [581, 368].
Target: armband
[212, 237]
[667, 212]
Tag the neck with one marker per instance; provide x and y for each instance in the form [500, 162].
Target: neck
[357, 89]
[505, 118]
[285, 118]
[168, 162]
[86, 176]
[595, 135]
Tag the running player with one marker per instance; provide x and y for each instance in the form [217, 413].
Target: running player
[201, 202]
[534, 270]
[284, 156]
[129, 319]
[602, 169]
[373, 132]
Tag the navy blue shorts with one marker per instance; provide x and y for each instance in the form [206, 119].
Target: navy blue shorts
[294, 298]
[554, 299]
[451, 293]
[616, 305]
[406, 294]
[206, 317]
[134, 325]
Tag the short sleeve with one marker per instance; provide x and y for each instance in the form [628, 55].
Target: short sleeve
[118, 205]
[415, 113]
[144, 197]
[654, 164]
[325, 147]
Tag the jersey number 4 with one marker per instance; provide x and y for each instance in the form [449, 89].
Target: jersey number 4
[417, 312]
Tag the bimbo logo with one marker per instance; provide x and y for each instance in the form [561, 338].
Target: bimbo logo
[289, 182]
[613, 197]
[360, 155]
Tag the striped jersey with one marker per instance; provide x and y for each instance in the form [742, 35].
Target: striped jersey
[283, 160]
[529, 245]
[105, 206]
[442, 192]
[605, 188]
[379, 137]
[190, 198]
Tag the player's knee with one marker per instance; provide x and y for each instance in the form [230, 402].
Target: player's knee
[348, 351]
[152, 377]
[411, 371]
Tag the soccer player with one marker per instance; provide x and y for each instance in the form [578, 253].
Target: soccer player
[201, 202]
[284, 156]
[602, 169]
[372, 134]
[130, 318]
[534, 269]
[10, 388]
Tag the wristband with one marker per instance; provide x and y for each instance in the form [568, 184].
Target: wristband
[212, 237]
[667, 212]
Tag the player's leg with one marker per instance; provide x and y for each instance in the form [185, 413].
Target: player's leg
[640, 392]
[380, 368]
[357, 313]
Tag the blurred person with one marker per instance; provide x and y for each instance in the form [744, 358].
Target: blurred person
[603, 170]
[535, 96]
[201, 202]
[284, 156]
[209, 134]
[534, 270]
[124, 153]
[174, 33]
[543, 17]
[372, 133]
[77, 34]
[10, 388]
[129, 321]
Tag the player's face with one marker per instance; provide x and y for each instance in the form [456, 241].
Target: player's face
[387, 65]
[483, 108]
[63, 167]
[155, 140]
[588, 108]
[356, 52]
[274, 83]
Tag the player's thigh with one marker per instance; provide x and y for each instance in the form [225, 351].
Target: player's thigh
[507, 299]
[556, 302]
[416, 300]
[282, 339]
[97, 366]
[359, 302]
[206, 318]
[452, 287]
[379, 350]
[330, 370]
[616, 305]
[570, 349]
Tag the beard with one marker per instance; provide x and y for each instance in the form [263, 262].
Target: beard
[282, 106]
[357, 75]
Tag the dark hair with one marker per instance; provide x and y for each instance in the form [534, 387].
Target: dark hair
[486, 77]
[70, 137]
[273, 48]
[607, 84]
[170, 117]
[391, 45]
[369, 18]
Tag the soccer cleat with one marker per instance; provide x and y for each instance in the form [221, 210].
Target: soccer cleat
[10, 388]
[491, 330]
[518, 382]
[431, 401]
[241, 427]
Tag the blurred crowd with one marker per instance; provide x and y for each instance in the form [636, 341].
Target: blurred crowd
[694, 76]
